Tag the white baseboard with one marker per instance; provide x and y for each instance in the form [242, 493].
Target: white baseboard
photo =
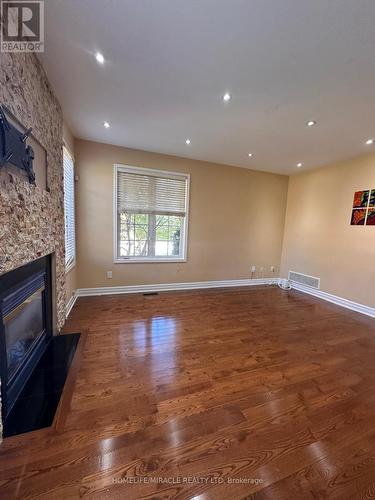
[339, 301]
[70, 304]
[114, 290]
[119, 290]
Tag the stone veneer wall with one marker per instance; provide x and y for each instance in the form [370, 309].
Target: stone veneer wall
[32, 219]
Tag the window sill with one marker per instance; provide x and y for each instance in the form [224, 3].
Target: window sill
[148, 261]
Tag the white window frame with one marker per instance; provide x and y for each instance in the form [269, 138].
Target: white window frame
[70, 265]
[148, 171]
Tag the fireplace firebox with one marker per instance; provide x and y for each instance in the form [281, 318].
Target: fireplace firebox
[25, 325]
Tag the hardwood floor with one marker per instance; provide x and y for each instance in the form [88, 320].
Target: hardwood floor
[216, 394]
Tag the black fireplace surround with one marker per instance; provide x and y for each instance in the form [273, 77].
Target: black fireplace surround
[25, 325]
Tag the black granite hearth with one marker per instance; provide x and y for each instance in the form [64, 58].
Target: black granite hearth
[36, 406]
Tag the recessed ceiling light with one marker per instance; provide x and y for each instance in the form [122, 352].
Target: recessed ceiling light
[311, 123]
[106, 124]
[299, 165]
[99, 57]
[370, 141]
[250, 155]
[187, 141]
[227, 97]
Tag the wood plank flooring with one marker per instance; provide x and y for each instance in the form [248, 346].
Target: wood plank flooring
[214, 394]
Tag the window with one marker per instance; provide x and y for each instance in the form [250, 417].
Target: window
[70, 234]
[151, 209]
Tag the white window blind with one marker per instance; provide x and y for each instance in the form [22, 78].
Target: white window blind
[139, 193]
[70, 243]
[151, 213]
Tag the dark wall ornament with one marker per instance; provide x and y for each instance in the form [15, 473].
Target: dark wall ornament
[363, 212]
[13, 147]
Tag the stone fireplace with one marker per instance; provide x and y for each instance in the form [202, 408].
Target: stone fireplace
[32, 217]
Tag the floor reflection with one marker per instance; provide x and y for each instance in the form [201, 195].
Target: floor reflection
[154, 338]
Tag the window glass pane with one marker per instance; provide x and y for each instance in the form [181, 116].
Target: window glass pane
[162, 220]
[168, 236]
[160, 236]
[126, 234]
[140, 218]
[140, 232]
[161, 248]
[133, 235]
[175, 221]
[129, 218]
[175, 240]
[141, 248]
[162, 233]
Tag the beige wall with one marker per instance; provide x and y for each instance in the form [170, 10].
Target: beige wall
[71, 275]
[236, 219]
[319, 239]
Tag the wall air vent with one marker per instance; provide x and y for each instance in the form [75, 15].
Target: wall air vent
[304, 279]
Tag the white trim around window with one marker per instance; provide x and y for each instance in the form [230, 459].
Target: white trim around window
[163, 174]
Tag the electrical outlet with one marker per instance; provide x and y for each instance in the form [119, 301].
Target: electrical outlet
[109, 275]
[253, 269]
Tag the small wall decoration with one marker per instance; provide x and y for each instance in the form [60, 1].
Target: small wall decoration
[358, 217]
[361, 199]
[363, 212]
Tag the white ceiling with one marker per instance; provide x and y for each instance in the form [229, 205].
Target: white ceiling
[168, 63]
